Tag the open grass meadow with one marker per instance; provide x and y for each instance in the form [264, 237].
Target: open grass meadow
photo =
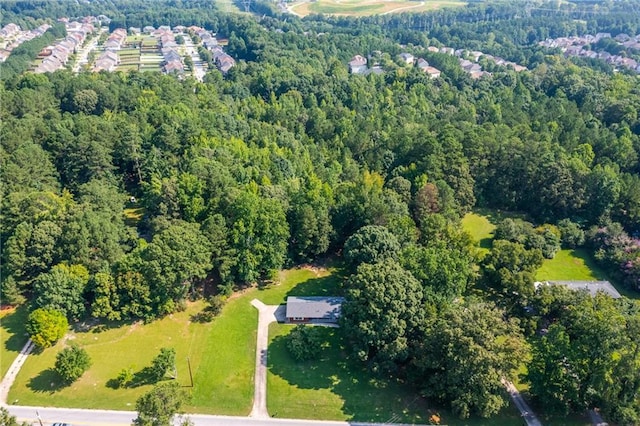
[480, 228]
[12, 335]
[221, 353]
[369, 7]
[576, 264]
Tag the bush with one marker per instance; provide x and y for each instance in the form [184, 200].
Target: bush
[304, 343]
[125, 377]
[71, 363]
[46, 327]
[572, 235]
[162, 363]
[216, 303]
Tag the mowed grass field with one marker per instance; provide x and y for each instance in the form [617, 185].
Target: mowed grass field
[221, 353]
[568, 264]
[12, 335]
[369, 7]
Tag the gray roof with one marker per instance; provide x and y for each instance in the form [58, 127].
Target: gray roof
[591, 286]
[314, 307]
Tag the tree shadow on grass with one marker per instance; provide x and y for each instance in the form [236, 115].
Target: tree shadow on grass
[48, 381]
[321, 286]
[365, 396]
[14, 325]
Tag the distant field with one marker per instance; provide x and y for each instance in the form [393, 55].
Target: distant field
[368, 7]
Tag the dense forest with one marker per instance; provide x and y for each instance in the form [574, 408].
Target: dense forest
[290, 159]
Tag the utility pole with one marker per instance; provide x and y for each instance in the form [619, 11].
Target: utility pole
[190, 375]
[39, 419]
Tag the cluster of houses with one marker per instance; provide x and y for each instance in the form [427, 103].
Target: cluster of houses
[172, 60]
[580, 46]
[108, 59]
[421, 63]
[12, 36]
[468, 61]
[56, 56]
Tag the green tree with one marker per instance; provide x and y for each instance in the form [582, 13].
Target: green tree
[172, 263]
[46, 327]
[158, 406]
[552, 373]
[371, 244]
[71, 363]
[85, 101]
[162, 364]
[305, 343]
[6, 419]
[464, 354]
[509, 269]
[382, 312]
[258, 235]
[63, 289]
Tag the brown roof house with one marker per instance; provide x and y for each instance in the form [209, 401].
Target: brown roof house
[313, 309]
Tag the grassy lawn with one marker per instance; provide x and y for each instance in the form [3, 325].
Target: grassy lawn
[111, 350]
[133, 215]
[334, 388]
[574, 264]
[222, 353]
[12, 336]
[480, 228]
[300, 282]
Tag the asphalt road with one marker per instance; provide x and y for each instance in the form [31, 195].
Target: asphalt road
[80, 417]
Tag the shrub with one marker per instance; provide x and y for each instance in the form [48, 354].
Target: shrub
[46, 327]
[71, 363]
[125, 377]
[162, 363]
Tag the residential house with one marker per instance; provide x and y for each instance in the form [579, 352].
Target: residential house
[433, 72]
[593, 287]
[358, 64]
[224, 63]
[407, 58]
[422, 64]
[313, 309]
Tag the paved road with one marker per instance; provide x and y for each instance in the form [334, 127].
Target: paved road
[80, 417]
[83, 53]
[527, 414]
[198, 66]
[16, 365]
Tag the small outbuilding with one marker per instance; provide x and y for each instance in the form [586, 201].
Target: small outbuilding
[313, 309]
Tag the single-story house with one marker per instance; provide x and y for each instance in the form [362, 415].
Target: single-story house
[591, 286]
[313, 309]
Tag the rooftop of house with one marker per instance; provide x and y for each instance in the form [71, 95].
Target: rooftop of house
[314, 307]
[591, 286]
